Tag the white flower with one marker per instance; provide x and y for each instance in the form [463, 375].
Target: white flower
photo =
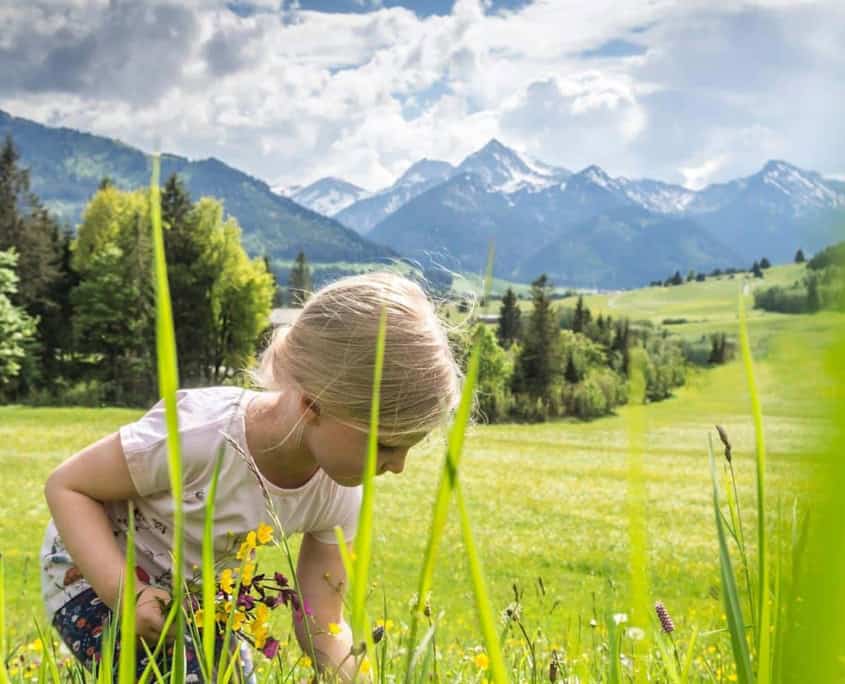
[619, 618]
[635, 633]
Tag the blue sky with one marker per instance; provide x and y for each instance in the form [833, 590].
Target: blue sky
[688, 91]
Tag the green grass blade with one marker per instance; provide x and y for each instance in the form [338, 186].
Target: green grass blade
[730, 593]
[48, 659]
[687, 667]
[209, 580]
[486, 619]
[3, 637]
[126, 662]
[448, 477]
[635, 422]
[168, 383]
[763, 616]
[364, 537]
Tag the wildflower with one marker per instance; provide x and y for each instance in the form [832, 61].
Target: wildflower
[36, 646]
[227, 581]
[271, 648]
[247, 573]
[482, 661]
[365, 665]
[665, 619]
[306, 662]
[635, 633]
[238, 621]
[334, 629]
[280, 579]
[247, 546]
[264, 533]
[620, 618]
[198, 617]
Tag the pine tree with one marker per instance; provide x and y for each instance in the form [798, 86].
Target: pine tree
[756, 270]
[799, 256]
[571, 373]
[579, 320]
[27, 226]
[192, 274]
[510, 322]
[538, 361]
[677, 279]
[299, 282]
[765, 263]
[813, 298]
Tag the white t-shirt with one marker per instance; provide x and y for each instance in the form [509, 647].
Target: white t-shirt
[207, 416]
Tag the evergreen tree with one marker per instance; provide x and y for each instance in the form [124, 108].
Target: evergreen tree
[26, 226]
[17, 328]
[538, 361]
[192, 271]
[299, 281]
[579, 320]
[765, 263]
[510, 322]
[571, 373]
[799, 257]
[813, 298]
[756, 270]
[677, 279]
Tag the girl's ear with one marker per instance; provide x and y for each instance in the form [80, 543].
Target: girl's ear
[309, 407]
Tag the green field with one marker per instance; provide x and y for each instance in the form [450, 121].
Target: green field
[546, 501]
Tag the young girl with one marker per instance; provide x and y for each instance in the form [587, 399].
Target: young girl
[304, 435]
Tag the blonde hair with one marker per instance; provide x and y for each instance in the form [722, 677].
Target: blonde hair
[328, 354]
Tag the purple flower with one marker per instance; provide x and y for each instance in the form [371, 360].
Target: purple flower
[665, 619]
[246, 601]
[281, 580]
[271, 648]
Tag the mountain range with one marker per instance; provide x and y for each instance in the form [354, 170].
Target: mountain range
[583, 228]
[589, 228]
[66, 167]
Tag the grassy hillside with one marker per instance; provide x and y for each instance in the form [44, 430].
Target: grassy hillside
[546, 500]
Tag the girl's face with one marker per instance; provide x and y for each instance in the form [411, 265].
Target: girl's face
[341, 451]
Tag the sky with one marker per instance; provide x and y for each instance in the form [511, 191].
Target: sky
[686, 91]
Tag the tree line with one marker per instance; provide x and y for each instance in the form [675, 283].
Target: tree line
[551, 362]
[77, 313]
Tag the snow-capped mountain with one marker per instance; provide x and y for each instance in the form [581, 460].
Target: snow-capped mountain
[366, 213]
[328, 195]
[502, 169]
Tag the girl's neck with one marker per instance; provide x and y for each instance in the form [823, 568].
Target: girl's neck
[269, 418]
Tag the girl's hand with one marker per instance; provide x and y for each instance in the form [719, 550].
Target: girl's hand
[149, 613]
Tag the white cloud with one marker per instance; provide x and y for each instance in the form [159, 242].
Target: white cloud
[719, 89]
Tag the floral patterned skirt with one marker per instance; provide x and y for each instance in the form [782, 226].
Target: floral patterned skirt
[81, 623]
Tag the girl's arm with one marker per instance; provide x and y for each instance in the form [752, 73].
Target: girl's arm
[322, 581]
[75, 493]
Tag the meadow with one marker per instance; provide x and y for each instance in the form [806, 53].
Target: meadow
[547, 502]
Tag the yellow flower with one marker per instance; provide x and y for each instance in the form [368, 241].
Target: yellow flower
[365, 665]
[198, 617]
[262, 614]
[36, 646]
[227, 581]
[334, 629]
[247, 574]
[731, 677]
[259, 633]
[247, 546]
[482, 661]
[237, 621]
[388, 624]
[306, 662]
[264, 533]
